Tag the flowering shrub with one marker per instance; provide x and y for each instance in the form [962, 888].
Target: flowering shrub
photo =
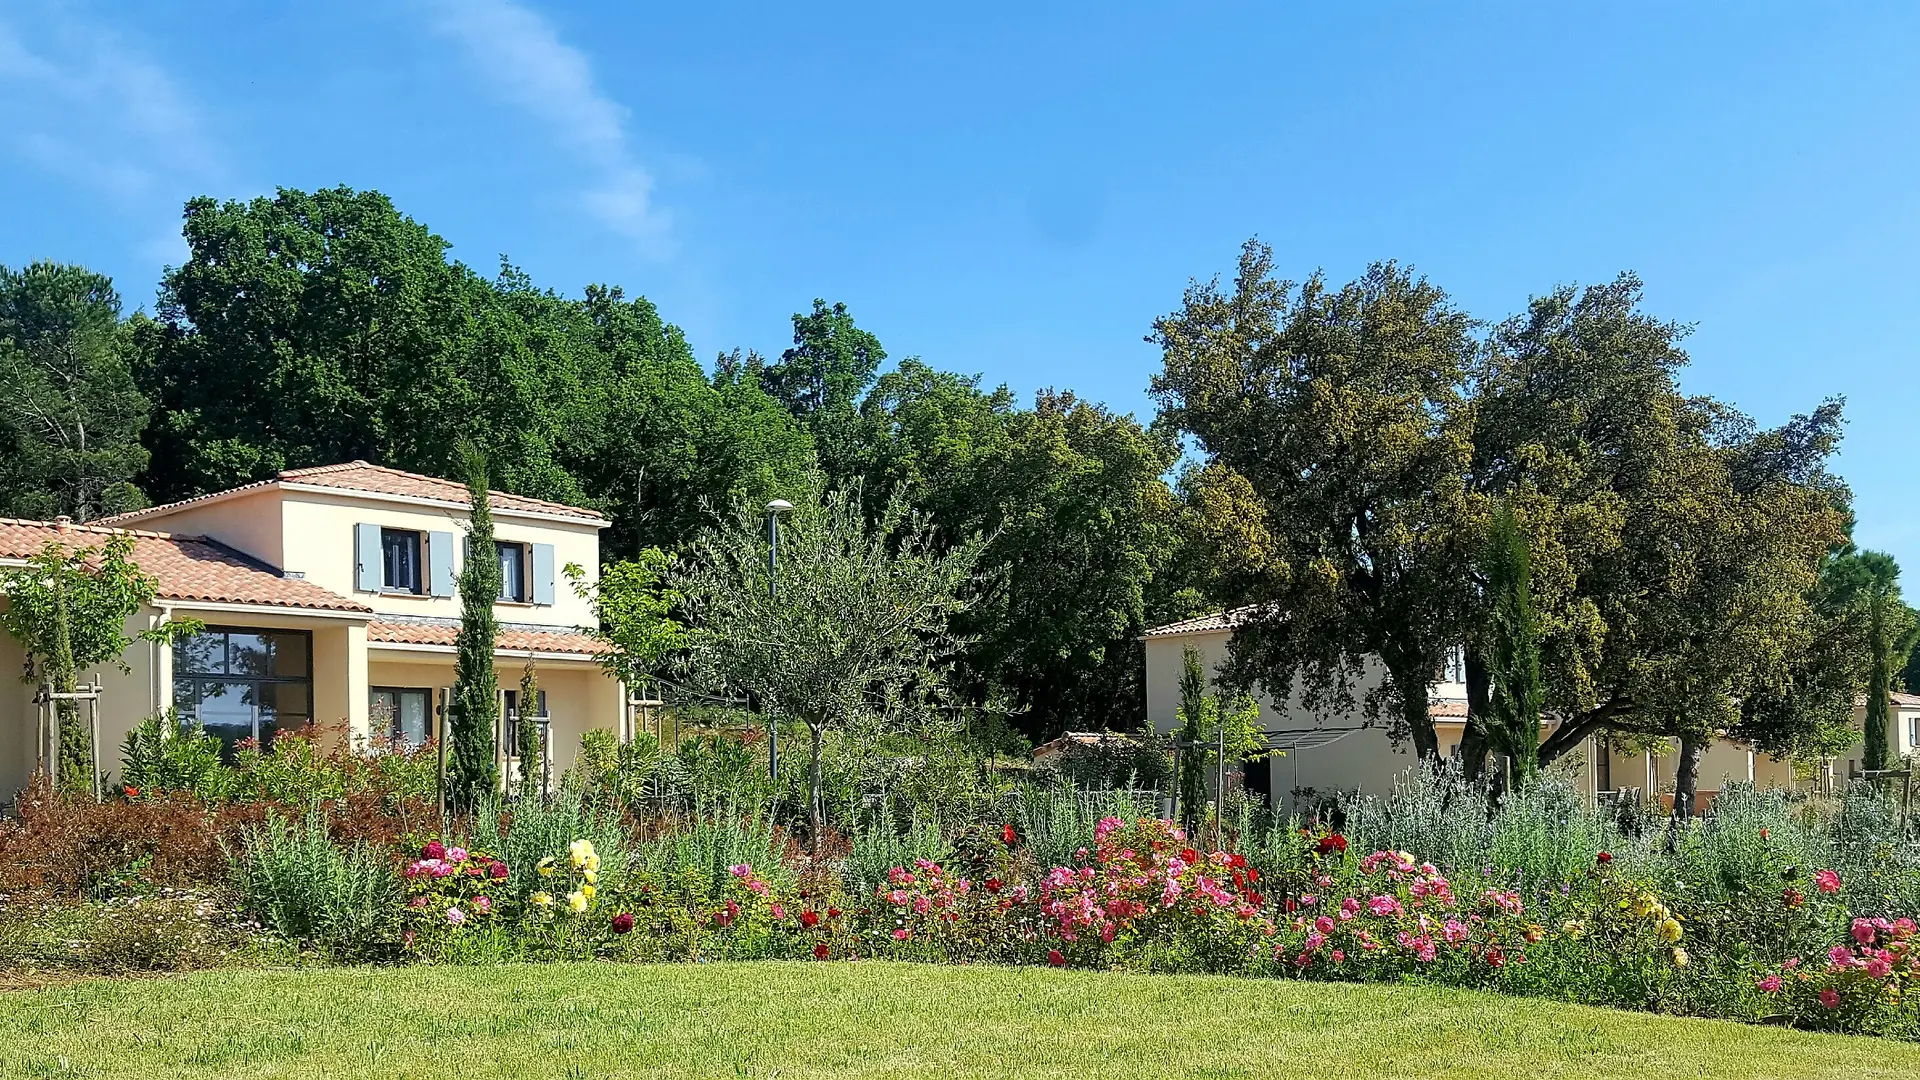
[929, 912]
[450, 891]
[1399, 917]
[690, 916]
[1144, 897]
[1858, 984]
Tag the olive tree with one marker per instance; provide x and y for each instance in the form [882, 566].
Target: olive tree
[849, 622]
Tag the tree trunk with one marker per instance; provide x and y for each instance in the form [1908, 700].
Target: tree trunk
[1473, 741]
[815, 809]
[1686, 786]
[1413, 693]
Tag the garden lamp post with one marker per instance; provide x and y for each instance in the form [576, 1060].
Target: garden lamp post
[774, 510]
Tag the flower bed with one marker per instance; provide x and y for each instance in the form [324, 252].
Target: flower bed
[1763, 940]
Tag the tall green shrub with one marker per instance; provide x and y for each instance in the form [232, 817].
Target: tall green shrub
[476, 688]
[1193, 766]
[1513, 646]
[526, 732]
[297, 881]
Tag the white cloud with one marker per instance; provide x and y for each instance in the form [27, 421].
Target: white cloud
[78, 102]
[524, 61]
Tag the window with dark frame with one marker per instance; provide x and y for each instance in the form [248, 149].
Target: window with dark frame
[513, 702]
[400, 562]
[513, 571]
[406, 713]
[241, 684]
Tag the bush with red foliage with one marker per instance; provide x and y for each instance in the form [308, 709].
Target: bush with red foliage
[69, 845]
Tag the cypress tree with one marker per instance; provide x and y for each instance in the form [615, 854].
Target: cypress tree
[1193, 757]
[526, 733]
[1879, 679]
[1513, 646]
[476, 688]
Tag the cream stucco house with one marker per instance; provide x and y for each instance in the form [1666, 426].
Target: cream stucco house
[327, 595]
[1326, 754]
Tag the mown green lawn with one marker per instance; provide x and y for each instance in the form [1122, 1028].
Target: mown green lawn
[860, 1020]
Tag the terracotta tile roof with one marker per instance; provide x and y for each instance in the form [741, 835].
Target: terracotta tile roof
[1204, 624]
[380, 480]
[1899, 700]
[360, 476]
[1447, 709]
[186, 568]
[511, 640]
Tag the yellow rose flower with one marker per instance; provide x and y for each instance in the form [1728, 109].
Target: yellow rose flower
[579, 852]
[545, 866]
[593, 878]
[593, 861]
[1679, 958]
[577, 901]
[541, 899]
[1668, 930]
[586, 891]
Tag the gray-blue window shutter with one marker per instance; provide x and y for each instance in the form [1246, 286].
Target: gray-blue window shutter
[543, 573]
[366, 555]
[440, 559]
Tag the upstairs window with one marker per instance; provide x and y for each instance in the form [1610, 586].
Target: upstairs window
[400, 569]
[513, 572]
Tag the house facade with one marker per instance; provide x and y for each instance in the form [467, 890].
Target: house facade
[327, 596]
[1332, 752]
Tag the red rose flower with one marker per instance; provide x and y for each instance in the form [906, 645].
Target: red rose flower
[1055, 958]
[809, 919]
[1007, 835]
[833, 913]
[1331, 844]
[993, 884]
[1237, 861]
[622, 923]
[497, 871]
[434, 850]
[1603, 858]
[820, 951]
[132, 792]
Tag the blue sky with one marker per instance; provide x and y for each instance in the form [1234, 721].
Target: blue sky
[1019, 194]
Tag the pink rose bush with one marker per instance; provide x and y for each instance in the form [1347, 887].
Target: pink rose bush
[447, 891]
[1872, 973]
[1143, 896]
[1400, 916]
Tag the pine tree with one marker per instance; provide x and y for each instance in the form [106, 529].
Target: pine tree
[476, 688]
